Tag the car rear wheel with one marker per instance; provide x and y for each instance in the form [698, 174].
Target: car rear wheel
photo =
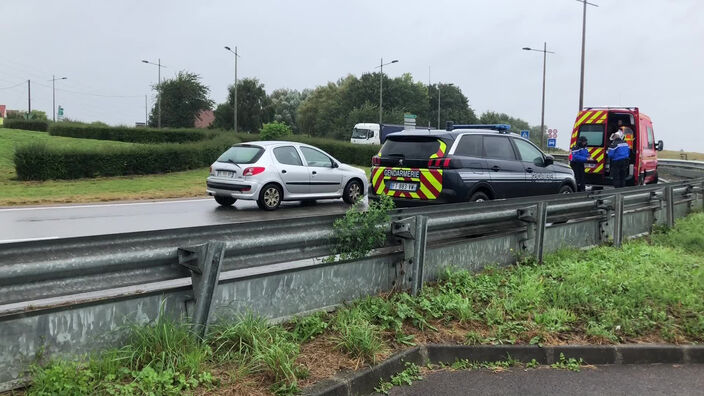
[479, 196]
[353, 191]
[270, 197]
[225, 201]
[566, 190]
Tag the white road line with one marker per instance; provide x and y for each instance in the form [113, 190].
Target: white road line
[101, 205]
[27, 239]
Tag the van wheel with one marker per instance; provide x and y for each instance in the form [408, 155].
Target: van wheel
[225, 201]
[478, 196]
[353, 191]
[270, 197]
[565, 190]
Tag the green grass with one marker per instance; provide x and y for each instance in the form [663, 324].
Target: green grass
[647, 291]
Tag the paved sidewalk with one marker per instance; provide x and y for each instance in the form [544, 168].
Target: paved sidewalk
[651, 379]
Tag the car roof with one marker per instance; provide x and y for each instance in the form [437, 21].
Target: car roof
[443, 134]
[270, 143]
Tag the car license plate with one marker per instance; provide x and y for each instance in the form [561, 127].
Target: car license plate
[591, 165]
[403, 186]
[226, 173]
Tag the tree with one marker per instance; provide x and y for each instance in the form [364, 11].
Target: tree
[253, 107]
[284, 105]
[182, 98]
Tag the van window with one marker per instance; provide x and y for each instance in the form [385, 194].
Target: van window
[470, 146]
[498, 147]
[651, 138]
[410, 147]
[594, 134]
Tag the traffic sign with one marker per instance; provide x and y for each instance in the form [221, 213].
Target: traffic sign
[525, 134]
[552, 143]
[552, 133]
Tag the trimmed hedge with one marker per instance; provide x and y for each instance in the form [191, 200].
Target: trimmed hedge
[27, 125]
[40, 161]
[349, 153]
[130, 135]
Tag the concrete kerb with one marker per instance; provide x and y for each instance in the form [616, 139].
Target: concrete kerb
[363, 382]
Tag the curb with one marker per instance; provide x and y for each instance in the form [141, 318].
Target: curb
[364, 381]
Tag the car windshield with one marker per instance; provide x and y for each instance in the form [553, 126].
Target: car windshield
[594, 134]
[360, 133]
[244, 154]
[410, 147]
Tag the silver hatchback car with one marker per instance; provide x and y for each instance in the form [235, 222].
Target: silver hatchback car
[274, 171]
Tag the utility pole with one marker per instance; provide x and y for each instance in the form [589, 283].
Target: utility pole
[429, 108]
[584, 31]
[158, 97]
[53, 95]
[381, 88]
[542, 109]
[29, 98]
[234, 101]
[146, 116]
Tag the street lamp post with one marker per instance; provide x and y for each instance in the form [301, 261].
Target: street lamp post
[53, 94]
[584, 30]
[235, 95]
[542, 111]
[158, 97]
[381, 86]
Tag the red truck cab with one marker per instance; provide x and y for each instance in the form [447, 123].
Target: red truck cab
[598, 123]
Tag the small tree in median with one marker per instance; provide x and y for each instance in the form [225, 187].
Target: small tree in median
[275, 131]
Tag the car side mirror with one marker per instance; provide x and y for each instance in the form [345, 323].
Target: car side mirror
[659, 147]
[549, 160]
[335, 164]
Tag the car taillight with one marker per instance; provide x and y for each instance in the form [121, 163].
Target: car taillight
[252, 171]
[376, 160]
[444, 163]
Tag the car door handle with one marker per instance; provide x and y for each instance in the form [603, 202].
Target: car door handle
[495, 168]
[529, 170]
[283, 171]
[315, 173]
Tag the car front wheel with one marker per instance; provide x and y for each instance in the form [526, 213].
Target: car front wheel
[225, 201]
[270, 197]
[478, 196]
[353, 191]
[566, 190]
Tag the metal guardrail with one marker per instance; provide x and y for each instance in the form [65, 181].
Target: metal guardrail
[68, 296]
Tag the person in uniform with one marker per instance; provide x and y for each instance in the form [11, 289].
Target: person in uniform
[579, 155]
[618, 153]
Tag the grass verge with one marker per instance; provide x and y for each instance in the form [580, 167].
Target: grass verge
[648, 291]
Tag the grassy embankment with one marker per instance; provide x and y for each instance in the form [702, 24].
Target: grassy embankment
[672, 154]
[13, 192]
[648, 291]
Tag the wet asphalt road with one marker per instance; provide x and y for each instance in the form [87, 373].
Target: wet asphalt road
[654, 379]
[47, 222]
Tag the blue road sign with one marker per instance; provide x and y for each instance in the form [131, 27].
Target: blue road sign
[552, 142]
[525, 134]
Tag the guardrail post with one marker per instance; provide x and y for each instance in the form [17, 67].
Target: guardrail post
[541, 215]
[203, 261]
[413, 231]
[607, 210]
[670, 202]
[618, 219]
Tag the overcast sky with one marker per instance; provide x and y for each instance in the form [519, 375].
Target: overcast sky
[645, 53]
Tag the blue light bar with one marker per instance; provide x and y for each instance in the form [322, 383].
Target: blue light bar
[495, 127]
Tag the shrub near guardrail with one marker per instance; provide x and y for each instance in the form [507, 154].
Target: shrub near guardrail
[43, 162]
[27, 125]
[131, 135]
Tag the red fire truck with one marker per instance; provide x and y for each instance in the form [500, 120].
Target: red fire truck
[598, 123]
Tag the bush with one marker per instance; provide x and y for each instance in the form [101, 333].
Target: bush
[27, 125]
[275, 131]
[39, 161]
[131, 135]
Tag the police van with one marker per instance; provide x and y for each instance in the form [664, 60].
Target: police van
[597, 124]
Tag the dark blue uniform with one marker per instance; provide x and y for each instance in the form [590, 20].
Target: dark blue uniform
[618, 153]
[579, 156]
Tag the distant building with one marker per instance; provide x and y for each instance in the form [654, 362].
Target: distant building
[204, 119]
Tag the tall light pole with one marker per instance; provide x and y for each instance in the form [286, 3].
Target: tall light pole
[381, 86]
[158, 96]
[235, 95]
[449, 85]
[53, 94]
[542, 110]
[584, 31]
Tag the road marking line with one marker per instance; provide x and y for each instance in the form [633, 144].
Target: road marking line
[101, 205]
[27, 239]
